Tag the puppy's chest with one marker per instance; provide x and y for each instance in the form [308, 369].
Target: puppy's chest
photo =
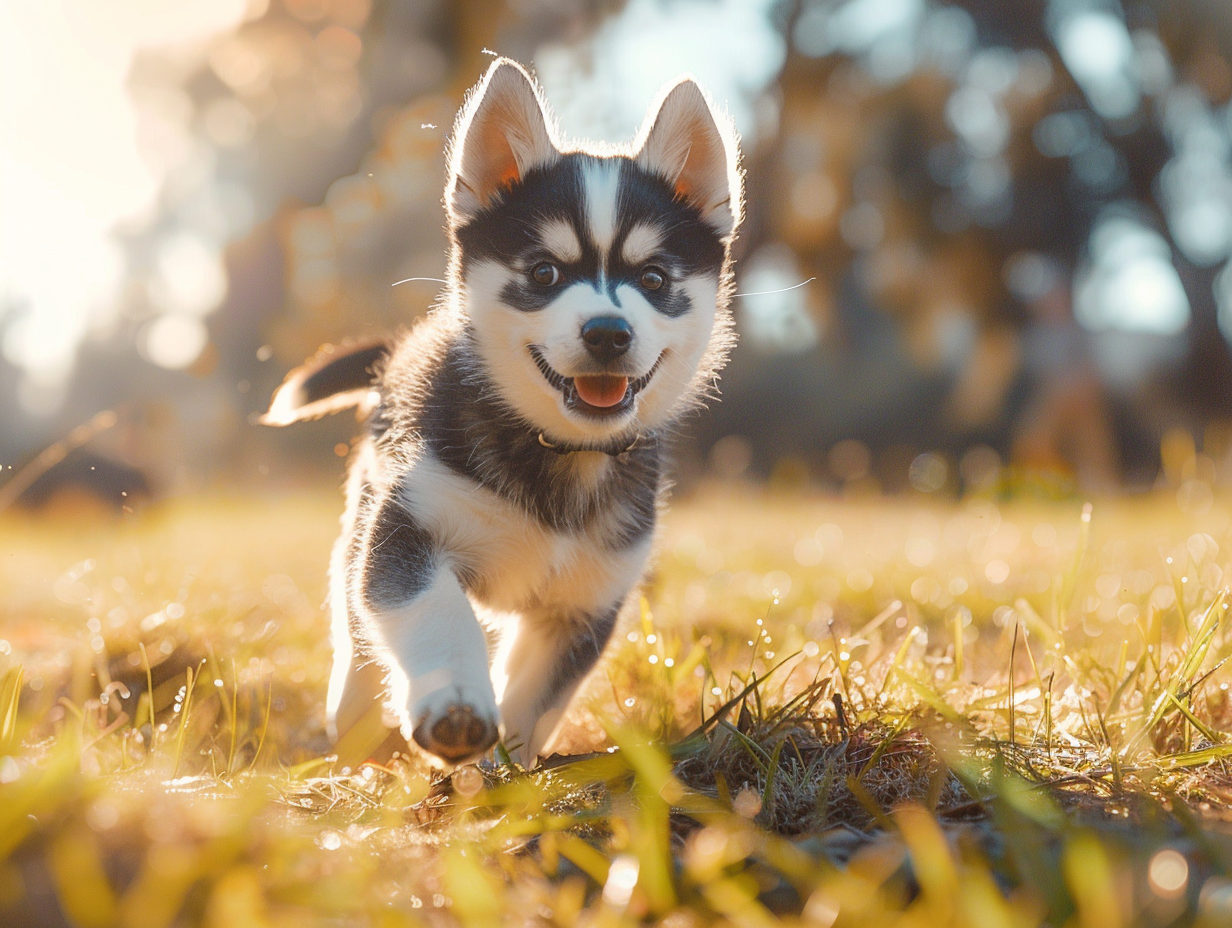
[510, 560]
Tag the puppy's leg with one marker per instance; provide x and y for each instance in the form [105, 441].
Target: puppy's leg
[353, 687]
[421, 624]
[543, 666]
[356, 718]
[356, 687]
[355, 714]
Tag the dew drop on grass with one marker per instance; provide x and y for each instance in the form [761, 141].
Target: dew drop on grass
[329, 840]
[776, 584]
[747, 803]
[468, 781]
[1168, 873]
[630, 702]
[621, 878]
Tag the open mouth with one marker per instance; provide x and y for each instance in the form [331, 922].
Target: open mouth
[598, 395]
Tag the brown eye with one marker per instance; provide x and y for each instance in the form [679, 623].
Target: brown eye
[653, 278]
[545, 274]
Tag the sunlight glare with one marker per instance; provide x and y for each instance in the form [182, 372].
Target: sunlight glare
[71, 166]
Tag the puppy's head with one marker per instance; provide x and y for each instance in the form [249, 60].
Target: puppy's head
[596, 282]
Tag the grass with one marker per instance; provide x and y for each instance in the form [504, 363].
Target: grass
[888, 712]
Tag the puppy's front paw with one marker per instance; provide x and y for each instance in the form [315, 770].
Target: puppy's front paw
[455, 731]
[526, 734]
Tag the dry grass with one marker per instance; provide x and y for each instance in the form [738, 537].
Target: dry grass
[862, 712]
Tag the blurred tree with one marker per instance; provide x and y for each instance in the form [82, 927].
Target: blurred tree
[966, 173]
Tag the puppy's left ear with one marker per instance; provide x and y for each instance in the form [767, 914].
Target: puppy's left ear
[501, 134]
[696, 150]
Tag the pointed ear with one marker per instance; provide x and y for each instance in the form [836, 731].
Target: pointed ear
[501, 133]
[697, 152]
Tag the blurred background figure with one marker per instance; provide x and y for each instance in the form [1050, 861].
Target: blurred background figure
[987, 244]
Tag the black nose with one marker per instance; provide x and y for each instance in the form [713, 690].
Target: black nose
[607, 337]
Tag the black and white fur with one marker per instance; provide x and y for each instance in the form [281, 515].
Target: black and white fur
[496, 522]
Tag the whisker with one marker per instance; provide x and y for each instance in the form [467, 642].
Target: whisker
[435, 280]
[803, 283]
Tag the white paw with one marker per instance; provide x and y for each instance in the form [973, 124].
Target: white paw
[453, 724]
[526, 736]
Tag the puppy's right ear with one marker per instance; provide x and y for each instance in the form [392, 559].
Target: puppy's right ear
[502, 133]
[694, 147]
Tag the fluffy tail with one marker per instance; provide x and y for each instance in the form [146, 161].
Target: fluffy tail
[333, 379]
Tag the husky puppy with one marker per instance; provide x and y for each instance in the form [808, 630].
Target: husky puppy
[500, 507]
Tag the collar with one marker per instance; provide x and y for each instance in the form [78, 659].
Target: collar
[615, 450]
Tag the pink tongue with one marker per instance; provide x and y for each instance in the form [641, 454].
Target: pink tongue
[601, 390]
